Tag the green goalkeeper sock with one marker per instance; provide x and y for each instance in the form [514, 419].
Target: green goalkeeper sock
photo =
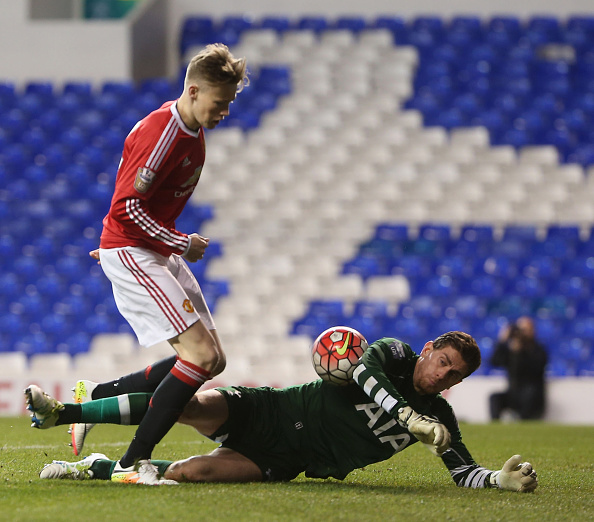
[122, 409]
[102, 469]
[162, 465]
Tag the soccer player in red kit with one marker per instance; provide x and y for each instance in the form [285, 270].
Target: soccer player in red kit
[141, 253]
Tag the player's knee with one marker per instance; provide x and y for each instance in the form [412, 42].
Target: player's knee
[213, 360]
[204, 353]
[220, 364]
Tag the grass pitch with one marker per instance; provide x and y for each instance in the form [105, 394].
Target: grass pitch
[413, 485]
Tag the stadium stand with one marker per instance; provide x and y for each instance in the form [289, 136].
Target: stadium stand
[408, 177]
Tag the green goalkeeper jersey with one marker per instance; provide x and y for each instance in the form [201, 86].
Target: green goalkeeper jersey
[328, 430]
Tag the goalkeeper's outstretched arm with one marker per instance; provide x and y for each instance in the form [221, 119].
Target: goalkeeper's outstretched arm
[515, 475]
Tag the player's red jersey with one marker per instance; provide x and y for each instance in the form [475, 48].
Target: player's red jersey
[160, 167]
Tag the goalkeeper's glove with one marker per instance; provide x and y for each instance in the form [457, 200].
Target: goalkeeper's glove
[515, 476]
[429, 431]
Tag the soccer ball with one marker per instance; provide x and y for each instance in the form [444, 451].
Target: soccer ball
[336, 352]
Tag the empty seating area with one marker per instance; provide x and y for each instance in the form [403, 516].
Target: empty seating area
[406, 177]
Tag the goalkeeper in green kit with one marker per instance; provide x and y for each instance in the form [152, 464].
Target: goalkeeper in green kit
[323, 430]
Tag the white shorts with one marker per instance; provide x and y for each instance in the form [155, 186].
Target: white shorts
[158, 296]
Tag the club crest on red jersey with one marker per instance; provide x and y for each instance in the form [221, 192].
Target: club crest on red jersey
[144, 179]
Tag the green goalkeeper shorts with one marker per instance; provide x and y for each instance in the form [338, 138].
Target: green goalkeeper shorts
[265, 429]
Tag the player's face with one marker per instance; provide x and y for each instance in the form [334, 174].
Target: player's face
[211, 103]
[438, 370]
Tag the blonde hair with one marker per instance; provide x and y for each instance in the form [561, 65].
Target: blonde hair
[216, 65]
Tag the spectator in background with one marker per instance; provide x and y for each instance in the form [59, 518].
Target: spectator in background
[525, 360]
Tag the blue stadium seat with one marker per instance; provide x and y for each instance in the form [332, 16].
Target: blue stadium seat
[581, 267]
[527, 286]
[50, 286]
[80, 89]
[333, 311]
[412, 266]
[455, 266]
[464, 31]
[421, 306]
[474, 251]
[34, 343]
[56, 325]
[236, 23]
[311, 326]
[278, 23]
[477, 233]
[162, 88]
[542, 267]
[520, 233]
[571, 286]
[435, 232]
[412, 330]
[8, 94]
[75, 305]
[486, 286]
[370, 327]
[313, 23]
[506, 24]
[556, 307]
[43, 89]
[28, 268]
[469, 306]
[365, 266]
[78, 342]
[501, 266]
[581, 22]
[440, 286]
[585, 248]
[356, 24]
[98, 324]
[371, 308]
[196, 31]
[11, 287]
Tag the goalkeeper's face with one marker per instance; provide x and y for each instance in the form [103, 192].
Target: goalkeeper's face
[438, 370]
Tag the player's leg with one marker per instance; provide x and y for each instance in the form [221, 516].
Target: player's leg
[162, 307]
[191, 370]
[207, 412]
[222, 465]
[143, 381]
[147, 379]
[48, 412]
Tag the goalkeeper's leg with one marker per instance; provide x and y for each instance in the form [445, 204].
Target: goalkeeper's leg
[125, 409]
[222, 465]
